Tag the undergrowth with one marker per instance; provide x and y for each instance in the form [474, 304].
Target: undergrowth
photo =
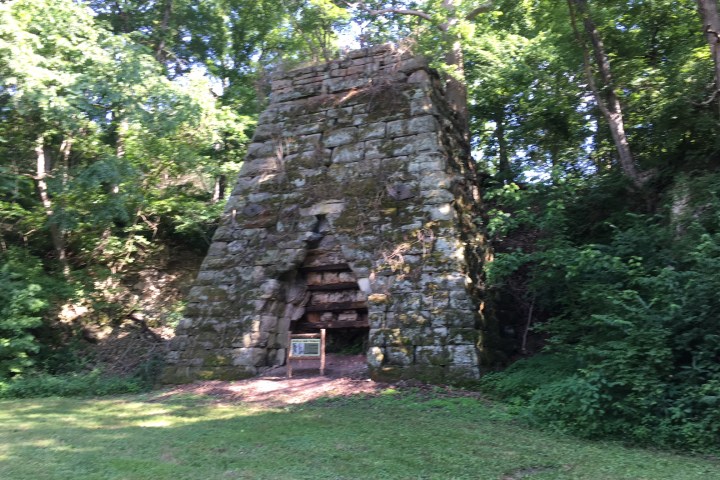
[79, 384]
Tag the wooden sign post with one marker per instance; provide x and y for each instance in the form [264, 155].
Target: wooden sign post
[304, 346]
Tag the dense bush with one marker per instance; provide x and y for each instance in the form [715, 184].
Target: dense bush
[22, 303]
[633, 344]
[519, 382]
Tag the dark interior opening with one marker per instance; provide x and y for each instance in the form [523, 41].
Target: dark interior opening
[347, 341]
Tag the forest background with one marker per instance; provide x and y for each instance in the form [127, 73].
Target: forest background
[595, 130]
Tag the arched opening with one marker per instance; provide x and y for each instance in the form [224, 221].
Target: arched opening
[334, 300]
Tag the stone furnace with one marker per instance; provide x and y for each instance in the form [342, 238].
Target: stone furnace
[355, 211]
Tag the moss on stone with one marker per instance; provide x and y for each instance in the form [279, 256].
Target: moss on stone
[216, 360]
[222, 373]
[463, 335]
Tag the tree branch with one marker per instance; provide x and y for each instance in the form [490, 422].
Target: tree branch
[485, 7]
[708, 101]
[399, 11]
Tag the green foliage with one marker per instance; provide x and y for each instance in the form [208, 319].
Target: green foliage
[308, 32]
[185, 216]
[131, 155]
[141, 109]
[519, 382]
[22, 304]
[61, 358]
[90, 384]
[632, 336]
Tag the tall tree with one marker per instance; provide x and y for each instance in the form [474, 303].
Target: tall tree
[711, 27]
[109, 128]
[604, 88]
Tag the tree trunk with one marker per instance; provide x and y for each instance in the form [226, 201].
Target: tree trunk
[56, 234]
[65, 149]
[456, 91]
[161, 48]
[605, 95]
[121, 130]
[219, 189]
[504, 171]
[711, 27]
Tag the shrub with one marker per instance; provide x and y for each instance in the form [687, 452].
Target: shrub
[523, 378]
[21, 307]
[635, 318]
[71, 385]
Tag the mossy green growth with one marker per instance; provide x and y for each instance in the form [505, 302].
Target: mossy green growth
[385, 101]
[216, 360]
[175, 376]
[424, 373]
[222, 373]
[465, 335]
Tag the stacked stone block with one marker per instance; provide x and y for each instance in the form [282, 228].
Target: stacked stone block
[366, 150]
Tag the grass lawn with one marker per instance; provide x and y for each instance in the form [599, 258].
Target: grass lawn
[386, 437]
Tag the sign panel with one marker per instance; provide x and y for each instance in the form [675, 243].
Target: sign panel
[305, 347]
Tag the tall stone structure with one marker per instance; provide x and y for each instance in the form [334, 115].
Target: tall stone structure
[355, 210]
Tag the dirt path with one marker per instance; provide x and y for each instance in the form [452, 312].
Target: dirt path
[344, 376]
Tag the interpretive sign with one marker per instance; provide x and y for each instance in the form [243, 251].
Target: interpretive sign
[305, 347]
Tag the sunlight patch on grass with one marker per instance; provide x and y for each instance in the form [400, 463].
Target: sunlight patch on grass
[393, 436]
[159, 423]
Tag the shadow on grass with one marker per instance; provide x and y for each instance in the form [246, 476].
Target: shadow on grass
[388, 436]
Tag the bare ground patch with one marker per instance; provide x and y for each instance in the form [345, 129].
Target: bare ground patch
[344, 376]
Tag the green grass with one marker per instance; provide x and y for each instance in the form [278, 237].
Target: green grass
[389, 437]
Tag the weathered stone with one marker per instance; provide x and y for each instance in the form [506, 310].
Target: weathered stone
[260, 165]
[413, 144]
[375, 357]
[266, 132]
[421, 77]
[375, 149]
[372, 130]
[249, 356]
[340, 84]
[351, 164]
[262, 149]
[348, 153]
[399, 355]
[433, 355]
[423, 124]
[252, 210]
[341, 136]
[400, 191]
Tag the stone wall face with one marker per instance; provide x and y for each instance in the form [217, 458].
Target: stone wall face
[361, 154]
